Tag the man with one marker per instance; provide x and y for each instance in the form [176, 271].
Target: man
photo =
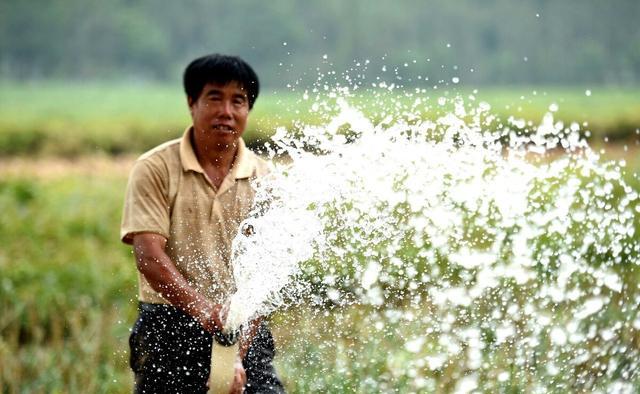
[184, 202]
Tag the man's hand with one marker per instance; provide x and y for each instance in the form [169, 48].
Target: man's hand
[212, 319]
[239, 378]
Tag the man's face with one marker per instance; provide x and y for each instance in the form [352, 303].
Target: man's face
[220, 113]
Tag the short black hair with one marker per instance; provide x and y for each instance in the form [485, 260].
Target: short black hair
[220, 69]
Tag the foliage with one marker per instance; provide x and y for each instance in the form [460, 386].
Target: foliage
[534, 41]
[67, 295]
[56, 118]
[66, 286]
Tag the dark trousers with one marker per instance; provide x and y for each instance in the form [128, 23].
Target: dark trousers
[171, 353]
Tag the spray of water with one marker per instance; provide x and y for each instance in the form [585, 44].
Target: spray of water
[485, 246]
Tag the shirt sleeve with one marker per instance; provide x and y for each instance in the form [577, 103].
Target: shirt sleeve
[146, 203]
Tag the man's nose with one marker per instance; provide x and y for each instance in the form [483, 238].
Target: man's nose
[226, 108]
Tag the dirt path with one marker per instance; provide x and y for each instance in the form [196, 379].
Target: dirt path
[119, 166]
[51, 167]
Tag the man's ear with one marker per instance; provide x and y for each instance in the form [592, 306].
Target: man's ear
[190, 103]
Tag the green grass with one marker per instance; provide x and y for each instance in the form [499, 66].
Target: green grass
[68, 290]
[607, 111]
[66, 286]
[56, 118]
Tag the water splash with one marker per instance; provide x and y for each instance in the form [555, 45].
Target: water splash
[497, 252]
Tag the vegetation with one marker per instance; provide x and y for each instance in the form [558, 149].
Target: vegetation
[62, 119]
[530, 42]
[66, 286]
[68, 291]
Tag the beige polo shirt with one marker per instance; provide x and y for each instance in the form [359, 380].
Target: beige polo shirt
[168, 194]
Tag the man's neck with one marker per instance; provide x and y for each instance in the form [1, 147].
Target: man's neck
[212, 155]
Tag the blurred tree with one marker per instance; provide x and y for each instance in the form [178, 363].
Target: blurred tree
[531, 41]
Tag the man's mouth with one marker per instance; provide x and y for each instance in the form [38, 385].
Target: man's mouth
[223, 128]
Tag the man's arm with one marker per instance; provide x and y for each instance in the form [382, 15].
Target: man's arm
[162, 275]
[246, 337]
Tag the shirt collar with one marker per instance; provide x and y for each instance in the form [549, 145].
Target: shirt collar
[243, 166]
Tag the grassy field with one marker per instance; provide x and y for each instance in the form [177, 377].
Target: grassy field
[66, 284]
[68, 289]
[55, 118]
